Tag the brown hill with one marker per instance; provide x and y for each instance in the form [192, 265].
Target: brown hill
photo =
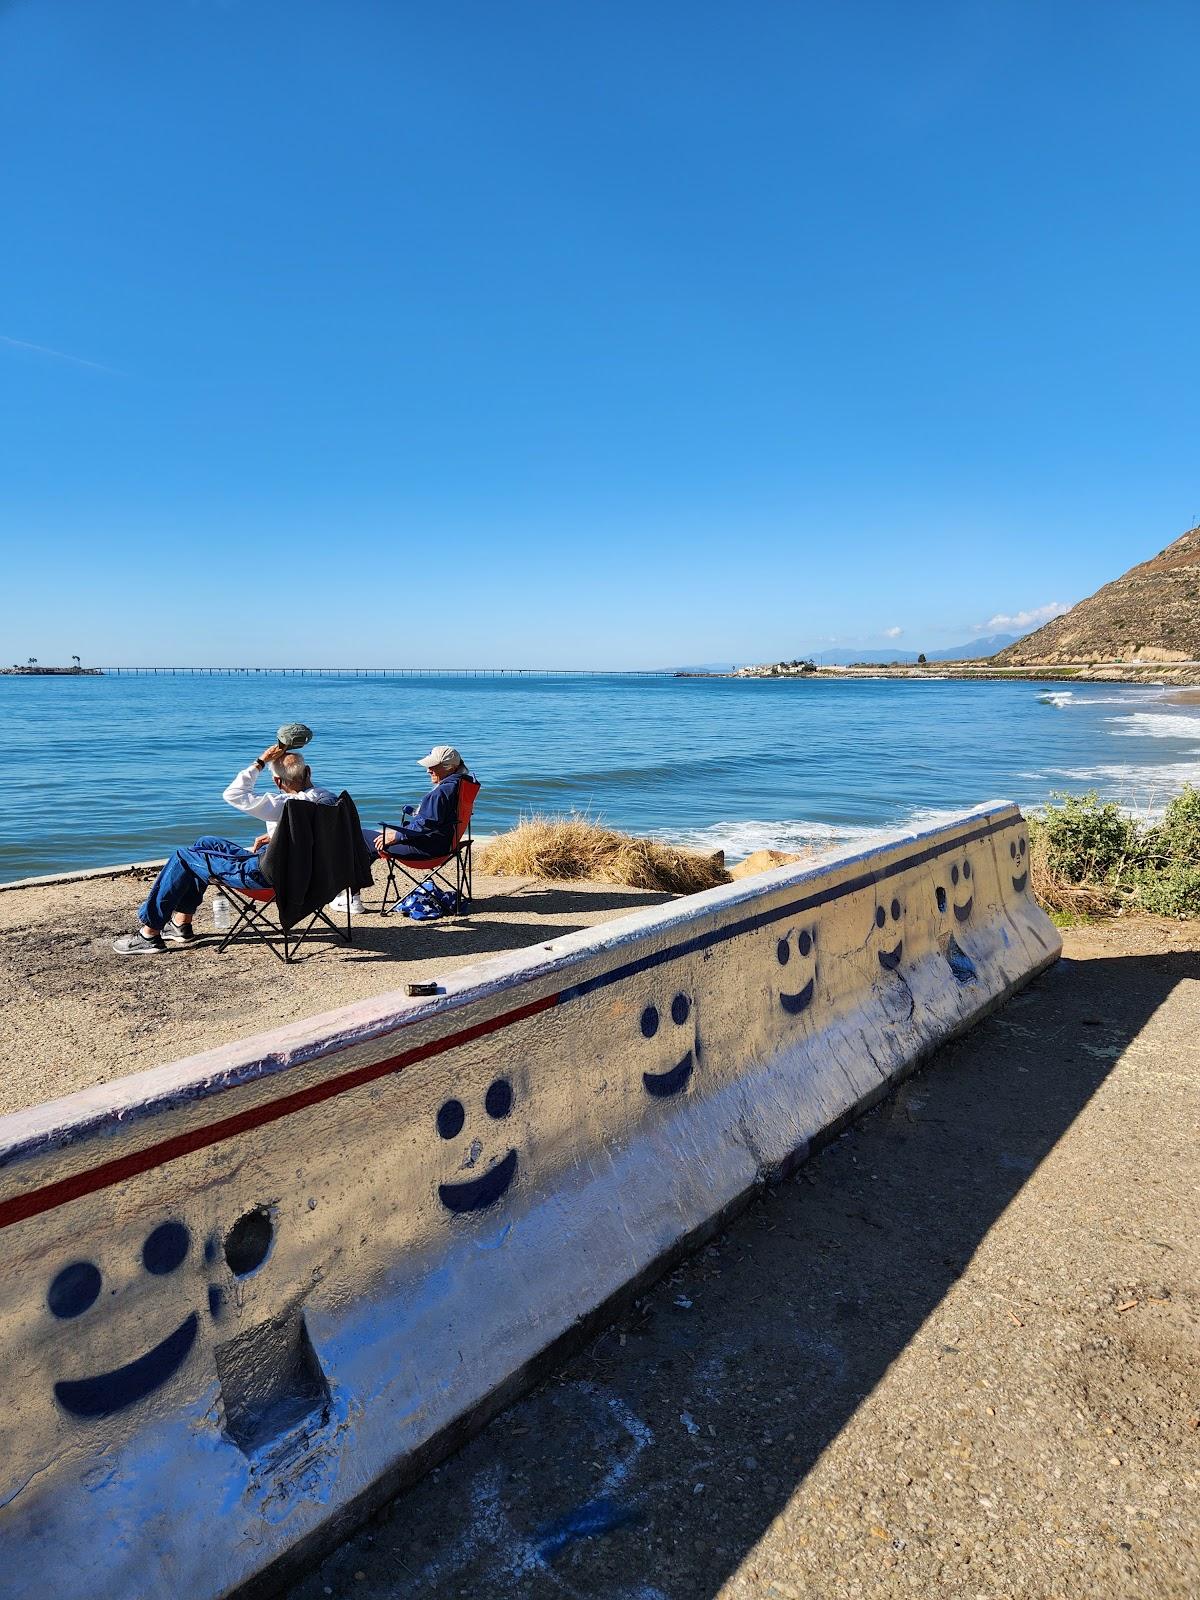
[1150, 614]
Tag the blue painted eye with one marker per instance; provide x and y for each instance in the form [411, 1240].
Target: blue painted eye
[880, 916]
[649, 1022]
[498, 1100]
[165, 1248]
[1012, 849]
[680, 1008]
[74, 1289]
[783, 952]
[805, 943]
[953, 874]
[450, 1119]
[1023, 844]
[895, 911]
[966, 869]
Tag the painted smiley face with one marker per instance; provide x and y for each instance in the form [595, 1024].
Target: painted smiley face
[662, 1085]
[889, 960]
[1017, 850]
[75, 1290]
[477, 1194]
[962, 908]
[800, 999]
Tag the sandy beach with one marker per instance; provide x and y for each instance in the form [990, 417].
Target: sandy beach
[74, 1015]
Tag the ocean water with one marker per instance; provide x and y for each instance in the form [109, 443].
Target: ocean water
[107, 769]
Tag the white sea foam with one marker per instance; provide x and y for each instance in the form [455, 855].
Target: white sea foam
[1143, 791]
[1156, 725]
[740, 838]
[1059, 697]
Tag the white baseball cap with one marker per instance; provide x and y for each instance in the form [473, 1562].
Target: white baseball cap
[442, 755]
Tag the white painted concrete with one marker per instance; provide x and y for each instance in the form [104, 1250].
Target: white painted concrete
[441, 1189]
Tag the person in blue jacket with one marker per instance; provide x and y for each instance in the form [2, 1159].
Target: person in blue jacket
[429, 829]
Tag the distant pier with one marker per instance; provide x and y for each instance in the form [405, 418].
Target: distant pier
[377, 672]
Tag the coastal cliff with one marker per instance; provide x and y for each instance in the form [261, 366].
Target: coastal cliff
[1149, 614]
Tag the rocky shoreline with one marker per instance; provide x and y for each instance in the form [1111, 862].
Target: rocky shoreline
[51, 672]
[1158, 674]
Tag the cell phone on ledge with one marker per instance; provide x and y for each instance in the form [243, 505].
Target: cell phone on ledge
[415, 989]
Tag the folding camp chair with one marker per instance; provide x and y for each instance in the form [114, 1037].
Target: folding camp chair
[250, 921]
[417, 868]
[336, 860]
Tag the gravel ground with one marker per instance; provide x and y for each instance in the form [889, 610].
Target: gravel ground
[73, 1014]
[956, 1354]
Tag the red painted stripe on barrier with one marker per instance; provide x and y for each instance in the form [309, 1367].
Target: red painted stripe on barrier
[20, 1207]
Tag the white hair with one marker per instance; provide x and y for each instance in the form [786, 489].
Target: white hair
[292, 771]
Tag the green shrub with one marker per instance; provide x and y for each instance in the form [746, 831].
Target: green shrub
[1085, 839]
[1172, 891]
[1176, 839]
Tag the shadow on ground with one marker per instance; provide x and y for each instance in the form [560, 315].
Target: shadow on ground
[655, 1461]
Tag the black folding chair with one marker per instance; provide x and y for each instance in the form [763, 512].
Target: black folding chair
[251, 920]
[337, 861]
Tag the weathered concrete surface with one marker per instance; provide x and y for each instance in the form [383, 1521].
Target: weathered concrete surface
[278, 1277]
[956, 1354]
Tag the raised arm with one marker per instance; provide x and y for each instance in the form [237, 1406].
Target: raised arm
[241, 793]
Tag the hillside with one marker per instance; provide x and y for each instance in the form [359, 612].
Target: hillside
[1152, 613]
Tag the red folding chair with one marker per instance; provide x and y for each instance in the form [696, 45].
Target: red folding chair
[417, 868]
[251, 903]
[251, 921]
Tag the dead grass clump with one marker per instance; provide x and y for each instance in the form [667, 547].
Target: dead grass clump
[570, 848]
[1055, 892]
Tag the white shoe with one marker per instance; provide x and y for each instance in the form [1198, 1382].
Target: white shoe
[337, 906]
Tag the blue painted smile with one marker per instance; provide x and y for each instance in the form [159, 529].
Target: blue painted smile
[664, 1084]
[125, 1386]
[963, 912]
[479, 1193]
[1019, 883]
[794, 1004]
[889, 960]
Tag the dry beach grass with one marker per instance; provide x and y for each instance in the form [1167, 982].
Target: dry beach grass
[567, 849]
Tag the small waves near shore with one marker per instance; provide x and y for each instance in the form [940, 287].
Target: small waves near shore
[108, 769]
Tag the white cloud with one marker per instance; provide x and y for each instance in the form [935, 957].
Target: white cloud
[892, 633]
[1019, 621]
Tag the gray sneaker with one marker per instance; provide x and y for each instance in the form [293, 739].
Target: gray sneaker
[137, 944]
[179, 933]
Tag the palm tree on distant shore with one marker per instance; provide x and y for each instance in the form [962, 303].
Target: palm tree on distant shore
[75, 659]
[32, 662]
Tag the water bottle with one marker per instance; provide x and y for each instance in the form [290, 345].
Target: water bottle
[221, 914]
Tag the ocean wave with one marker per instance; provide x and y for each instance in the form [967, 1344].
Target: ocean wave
[742, 837]
[1058, 697]
[1144, 791]
[1157, 725]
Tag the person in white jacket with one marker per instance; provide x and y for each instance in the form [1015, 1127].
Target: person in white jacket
[165, 916]
[293, 781]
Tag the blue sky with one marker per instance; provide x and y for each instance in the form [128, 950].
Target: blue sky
[586, 334]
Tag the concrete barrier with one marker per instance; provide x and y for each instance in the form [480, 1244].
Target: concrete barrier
[242, 1294]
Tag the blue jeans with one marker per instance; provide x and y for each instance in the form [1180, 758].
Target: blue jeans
[181, 884]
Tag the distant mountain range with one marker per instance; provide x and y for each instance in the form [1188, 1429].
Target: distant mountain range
[846, 658]
[1150, 613]
[958, 652]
